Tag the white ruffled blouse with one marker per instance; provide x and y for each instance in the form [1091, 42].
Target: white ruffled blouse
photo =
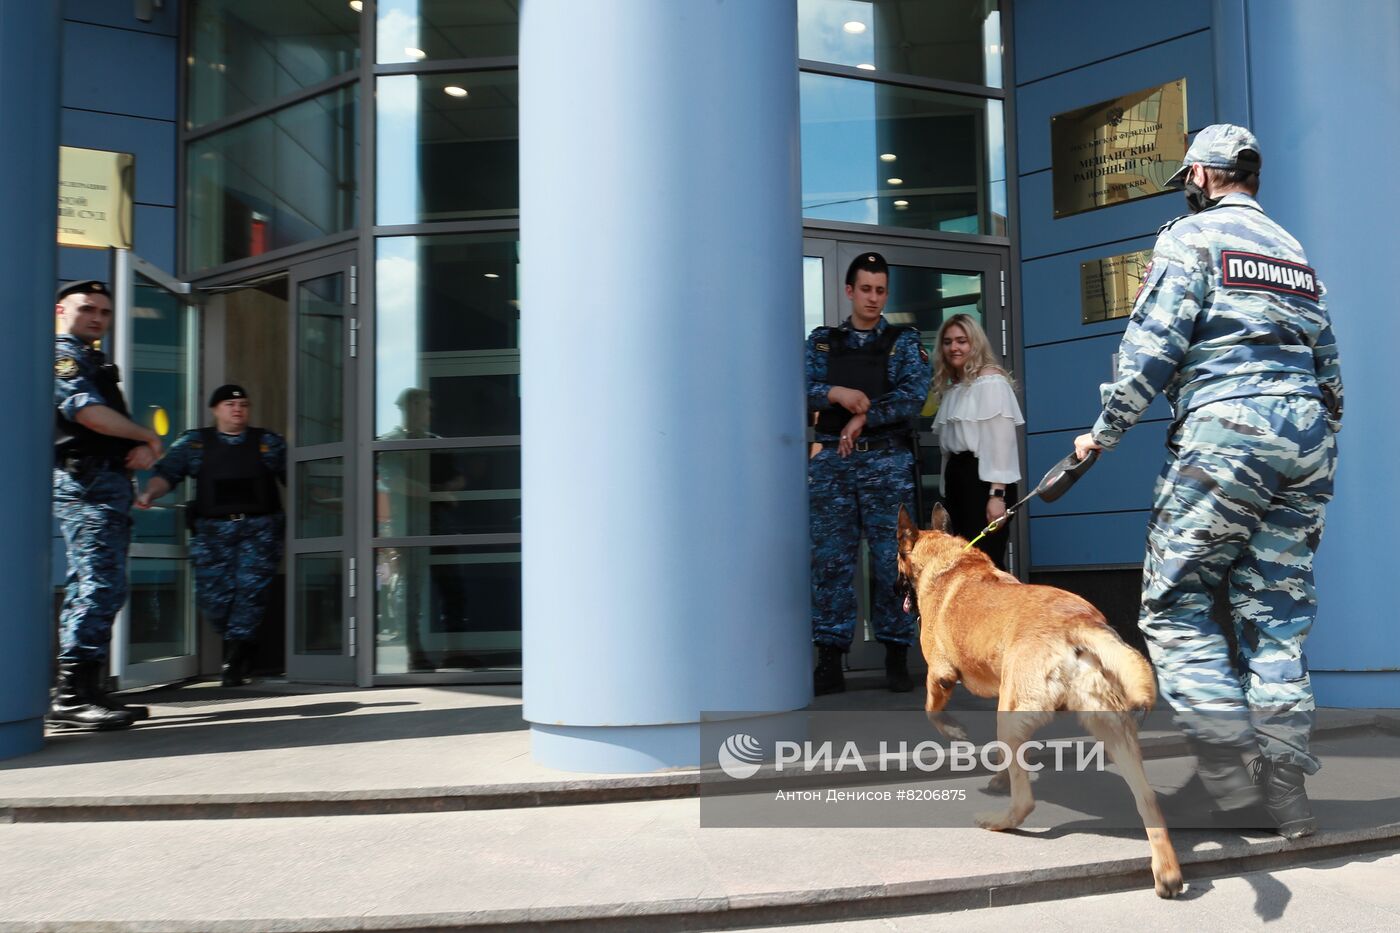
[981, 416]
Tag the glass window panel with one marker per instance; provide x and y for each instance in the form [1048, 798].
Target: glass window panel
[447, 608]
[955, 40]
[434, 30]
[319, 620]
[159, 612]
[281, 179]
[447, 361]
[321, 361]
[448, 147]
[246, 53]
[320, 510]
[159, 389]
[898, 157]
[813, 294]
[470, 490]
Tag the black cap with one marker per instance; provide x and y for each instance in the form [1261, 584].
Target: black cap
[85, 286]
[226, 392]
[873, 263]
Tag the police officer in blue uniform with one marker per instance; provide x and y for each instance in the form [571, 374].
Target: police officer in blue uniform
[866, 381]
[1230, 324]
[235, 519]
[96, 446]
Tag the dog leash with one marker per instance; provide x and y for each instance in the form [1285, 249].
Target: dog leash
[1051, 486]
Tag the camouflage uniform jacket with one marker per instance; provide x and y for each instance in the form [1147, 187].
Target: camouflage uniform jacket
[907, 371]
[1228, 308]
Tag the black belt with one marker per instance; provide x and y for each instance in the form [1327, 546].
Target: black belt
[863, 444]
[233, 516]
[86, 463]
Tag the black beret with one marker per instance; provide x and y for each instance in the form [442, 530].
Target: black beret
[226, 392]
[873, 263]
[85, 286]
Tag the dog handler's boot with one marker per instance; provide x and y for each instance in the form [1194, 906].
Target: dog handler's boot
[1222, 770]
[106, 701]
[72, 706]
[828, 678]
[1285, 798]
[897, 668]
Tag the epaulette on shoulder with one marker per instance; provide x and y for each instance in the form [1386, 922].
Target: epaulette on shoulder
[1171, 223]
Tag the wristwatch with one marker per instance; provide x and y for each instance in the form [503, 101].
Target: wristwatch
[998, 493]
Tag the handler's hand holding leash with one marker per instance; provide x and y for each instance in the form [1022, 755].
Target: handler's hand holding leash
[1054, 483]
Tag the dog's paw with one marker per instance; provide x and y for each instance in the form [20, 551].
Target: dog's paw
[1167, 883]
[996, 822]
[999, 785]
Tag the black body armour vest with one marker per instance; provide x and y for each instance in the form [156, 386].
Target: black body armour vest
[71, 439]
[865, 368]
[232, 478]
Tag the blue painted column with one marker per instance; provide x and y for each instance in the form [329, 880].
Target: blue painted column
[1324, 88]
[664, 478]
[29, 59]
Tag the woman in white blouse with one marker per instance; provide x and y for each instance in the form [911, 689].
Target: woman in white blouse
[976, 426]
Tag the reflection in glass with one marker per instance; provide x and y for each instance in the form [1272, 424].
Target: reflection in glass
[955, 40]
[320, 509]
[281, 179]
[159, 614]
[320, 361]
[446, 608]
[448, 325]
[471, 490]
[448, 147]
[946, 157]
[434, 30]
[318, 621]
[247, 53]
[159, 381]
[813, 294]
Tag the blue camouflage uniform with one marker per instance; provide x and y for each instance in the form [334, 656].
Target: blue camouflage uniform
[92, 498]
[1231, 325]
[234, 559]
[860, 495]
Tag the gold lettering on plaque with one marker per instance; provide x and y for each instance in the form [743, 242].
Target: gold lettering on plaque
[1109, 286]
[95, 194]
[1117, 150]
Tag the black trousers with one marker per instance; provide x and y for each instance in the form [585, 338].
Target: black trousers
[965, 497]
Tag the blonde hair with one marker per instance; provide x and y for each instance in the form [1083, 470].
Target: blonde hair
[979, 357]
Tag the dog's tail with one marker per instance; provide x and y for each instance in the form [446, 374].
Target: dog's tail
[1129, 675]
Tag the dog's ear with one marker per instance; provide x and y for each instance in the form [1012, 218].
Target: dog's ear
[908, 531]
[939, 521]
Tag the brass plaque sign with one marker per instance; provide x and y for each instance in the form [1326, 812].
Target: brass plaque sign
[1109, 286]
[95, 189]
[1117, 150]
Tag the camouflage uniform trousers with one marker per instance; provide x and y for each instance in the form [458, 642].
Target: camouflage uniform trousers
[94, 513]
[857, 496]
[234, 561]
[1243, 496]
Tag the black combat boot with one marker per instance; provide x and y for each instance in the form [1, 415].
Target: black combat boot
[74, 705]
[897, 668]
[1284, 797]
[107, 701]
[238, 662]
[828, 678]
[1222, 771]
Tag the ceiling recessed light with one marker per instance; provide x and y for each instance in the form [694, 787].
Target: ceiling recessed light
[357, 5]
[895, 181]
[855, 27]
[866, 66]
[888, 157]
[492, 275]
[901, 204]
[416, 54]
[453, 90]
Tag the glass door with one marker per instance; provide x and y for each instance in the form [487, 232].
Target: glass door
[927, 285]
[322, 579]
[155, 342]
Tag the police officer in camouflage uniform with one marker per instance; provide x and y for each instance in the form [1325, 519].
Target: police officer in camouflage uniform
[235, 518]
[866, 381]
[96, 446]
[1230, 323]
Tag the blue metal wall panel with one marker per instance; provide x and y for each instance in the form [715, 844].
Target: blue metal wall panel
[1080, 540]
[165, 21]
[1355, 689]
[1062, 384]
[1042, 234]
[1120, 481]
[151, 141]
[155, 235]
[1050, 293]
[147, 64]
[1190, 57]
[74, 264]
[1054, 35]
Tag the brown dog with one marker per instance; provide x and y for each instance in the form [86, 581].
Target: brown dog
[1038, 650]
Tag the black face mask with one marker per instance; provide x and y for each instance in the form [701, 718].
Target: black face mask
[1196, 198]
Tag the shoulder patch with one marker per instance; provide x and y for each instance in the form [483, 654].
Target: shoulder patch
[65, 367]
[1255, 272]
[923, 354]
